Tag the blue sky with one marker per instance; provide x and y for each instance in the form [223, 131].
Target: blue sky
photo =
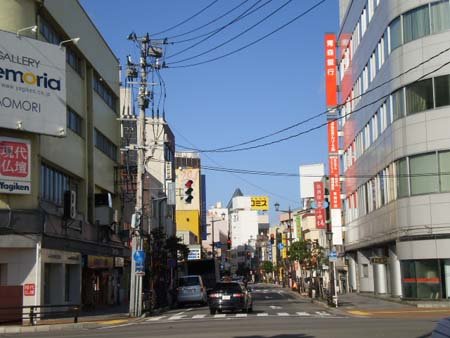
[271, 85]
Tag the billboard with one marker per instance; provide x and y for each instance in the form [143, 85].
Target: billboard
[319, 197]
[15, 166]
[32, 85]
[309, 174]
[330, 70]
[259, 203]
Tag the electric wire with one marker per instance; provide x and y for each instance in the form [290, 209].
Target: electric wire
[229, 148]
[208, 23]
[251, 43]
[186, 20]
[231, 39]
[241, 16]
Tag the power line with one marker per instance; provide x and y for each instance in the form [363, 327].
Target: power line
[243, 15]
[227, 41]
[229, 148]
[254, 42]
[210, 22]
[186, 20]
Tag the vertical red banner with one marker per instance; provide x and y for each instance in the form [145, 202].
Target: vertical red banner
[330, 69]
[333, 140]
[319, 197]
[335, 187]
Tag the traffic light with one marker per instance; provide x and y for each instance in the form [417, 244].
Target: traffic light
[188, 192]
[272, 239]
[229, 243]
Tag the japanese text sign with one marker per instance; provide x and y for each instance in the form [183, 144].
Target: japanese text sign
[15, 166]
[259, 203]
[333, 140]
[330, 70]
[335, 188]
[29, 289]
[319, 197]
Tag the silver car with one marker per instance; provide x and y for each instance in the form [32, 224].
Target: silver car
[191, 290]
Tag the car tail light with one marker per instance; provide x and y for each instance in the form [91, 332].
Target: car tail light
[238, 295]
[214, 295]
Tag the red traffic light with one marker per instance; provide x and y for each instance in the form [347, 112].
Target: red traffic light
[188, 184]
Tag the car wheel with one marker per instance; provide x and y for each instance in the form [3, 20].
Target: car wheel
[212, 311]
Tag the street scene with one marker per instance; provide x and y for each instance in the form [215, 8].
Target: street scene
[225, 168]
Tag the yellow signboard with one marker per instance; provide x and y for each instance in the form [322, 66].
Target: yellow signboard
[259, 203]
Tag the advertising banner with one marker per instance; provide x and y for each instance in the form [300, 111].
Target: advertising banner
[319, 197]
[335, 187]
[32, 85]
[330, 70]
[333, 137]
[259, 203]
[15, 166]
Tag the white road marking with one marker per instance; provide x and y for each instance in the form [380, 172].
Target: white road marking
[190, 309]
[264, 314]
[304, 314]
[176, 317]
[241, 315]
[220, 315]
[114, 326]
[198, 316]
[179, 313]
[283, 314]
[274, 307]
[322, 313]
[155, 318]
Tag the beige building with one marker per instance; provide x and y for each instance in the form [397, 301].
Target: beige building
[59, 236]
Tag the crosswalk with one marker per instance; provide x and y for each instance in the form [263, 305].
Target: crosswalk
[184, 316]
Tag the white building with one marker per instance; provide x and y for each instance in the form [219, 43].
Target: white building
[396, 158]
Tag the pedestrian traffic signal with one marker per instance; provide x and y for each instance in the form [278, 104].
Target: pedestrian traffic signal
[229, 243]
[272, 239]
[188, 192]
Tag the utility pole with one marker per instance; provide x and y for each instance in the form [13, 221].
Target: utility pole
[137, 240]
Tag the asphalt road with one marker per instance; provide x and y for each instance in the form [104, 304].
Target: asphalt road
[278, 313]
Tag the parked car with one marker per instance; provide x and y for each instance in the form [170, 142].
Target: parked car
[191, 290]
[230, 296]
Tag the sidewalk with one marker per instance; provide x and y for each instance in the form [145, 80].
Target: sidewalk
[88, 319]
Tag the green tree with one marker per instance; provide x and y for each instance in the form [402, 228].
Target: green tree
[267, 266]
[299, 251]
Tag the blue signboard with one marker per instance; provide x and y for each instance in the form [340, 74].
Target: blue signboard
[280, 246]
[270, 252]
[332, 256]
[139, 259]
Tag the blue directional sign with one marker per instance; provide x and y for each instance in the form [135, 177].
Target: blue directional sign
[332, 256]
[313, 205]
[325, 204]
[280, 246]
[218, 245]
[139, 259]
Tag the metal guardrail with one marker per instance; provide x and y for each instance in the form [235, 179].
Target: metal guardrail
[41, 312]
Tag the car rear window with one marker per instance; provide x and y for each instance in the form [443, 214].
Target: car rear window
[188, 281]
[233, 287]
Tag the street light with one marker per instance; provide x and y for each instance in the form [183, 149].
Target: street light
[31, 28]
[74, 40]
[212, 233]
[289, 211]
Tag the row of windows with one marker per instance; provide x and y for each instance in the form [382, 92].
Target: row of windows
[414, 98]
[409, 176]
[105, 145]
[358, 33]
[54, 183]
[104, 92]
[414, 24]
[51, 35]
[74, 121]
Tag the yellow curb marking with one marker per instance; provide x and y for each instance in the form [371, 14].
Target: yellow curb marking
[366, 313]
[114, 321]
[359, 313]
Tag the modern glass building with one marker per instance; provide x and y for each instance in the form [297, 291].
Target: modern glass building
[394, 87]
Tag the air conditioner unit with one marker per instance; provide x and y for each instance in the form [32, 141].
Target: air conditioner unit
[104, 215]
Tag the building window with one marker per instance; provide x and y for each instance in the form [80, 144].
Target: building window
[440, 16]
[48, 32]
[424, 174]
[397, 104]
[444, 170]
[74, 121]
[54, 183]
[402, 178]
[421, 279]
[74, 60]
[416, 24]
[105, 145]
[3, 274]
[365, 270]
[442, 90]
[104, 92]
[395, 33]
[67, 283]
[419, 96]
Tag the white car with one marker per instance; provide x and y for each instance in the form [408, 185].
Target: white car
[191, 290]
